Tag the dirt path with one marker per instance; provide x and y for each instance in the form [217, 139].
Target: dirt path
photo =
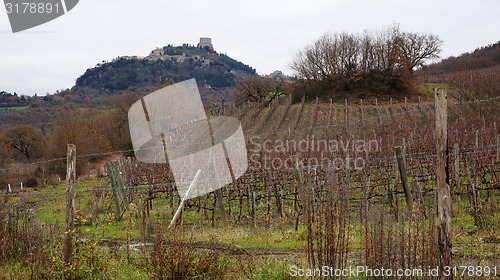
[288, 255]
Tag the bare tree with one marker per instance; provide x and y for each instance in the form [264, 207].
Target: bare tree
[26, 140]
[415, 49]
[259, 89]
[87, 129]
[343, 54]
[5, 153]
[380, 61]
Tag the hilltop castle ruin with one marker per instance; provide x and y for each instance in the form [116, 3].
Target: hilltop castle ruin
[205, 42]
[160, 53]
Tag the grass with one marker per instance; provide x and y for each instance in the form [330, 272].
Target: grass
[106, 226]
[471, 242]
[15, 108]
[253, 238]
[273, 270]
[51, 210]
[427, 89]
[116, 267]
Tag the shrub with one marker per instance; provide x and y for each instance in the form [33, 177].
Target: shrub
[32, 183]
[174, 258]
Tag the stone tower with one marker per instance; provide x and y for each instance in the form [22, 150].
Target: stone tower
[205, 42]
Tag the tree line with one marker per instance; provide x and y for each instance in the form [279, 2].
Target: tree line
[339, 64]
[483, 57]
[382, 61]
[93, 130]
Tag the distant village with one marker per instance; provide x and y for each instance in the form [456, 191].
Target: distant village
[159, 53]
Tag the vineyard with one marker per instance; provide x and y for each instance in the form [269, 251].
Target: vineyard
[328, 184]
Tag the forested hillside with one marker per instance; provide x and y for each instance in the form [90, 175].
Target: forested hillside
[169, 63]
[482, 57]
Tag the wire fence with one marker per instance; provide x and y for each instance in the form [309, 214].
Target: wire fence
[414, 111]
[348, 212]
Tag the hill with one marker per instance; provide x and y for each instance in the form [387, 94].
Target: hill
[102, 85]
[168, 64]
[482, 57]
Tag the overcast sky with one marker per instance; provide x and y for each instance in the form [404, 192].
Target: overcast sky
[266, 34]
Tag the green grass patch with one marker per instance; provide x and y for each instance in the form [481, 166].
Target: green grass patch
[427, 89]
[14, 108]
[253, 238]
[470, 241]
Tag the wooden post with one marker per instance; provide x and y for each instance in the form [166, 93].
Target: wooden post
[254, 199]
[218, 193]
[112, 175]
[122, 176]
[347, 178]
[443, 188]
[220, 203]
[457, 166]
[299, 176]
[404, 177]
[346, 118]
[184, 199]
[70, 205]
[498, 147]
[268, 202]
[473, 200]
[282, 201]
[495, 133]
[378, 112]
[393, 200]
[477, 138]
[330, 113]
[362, 114]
